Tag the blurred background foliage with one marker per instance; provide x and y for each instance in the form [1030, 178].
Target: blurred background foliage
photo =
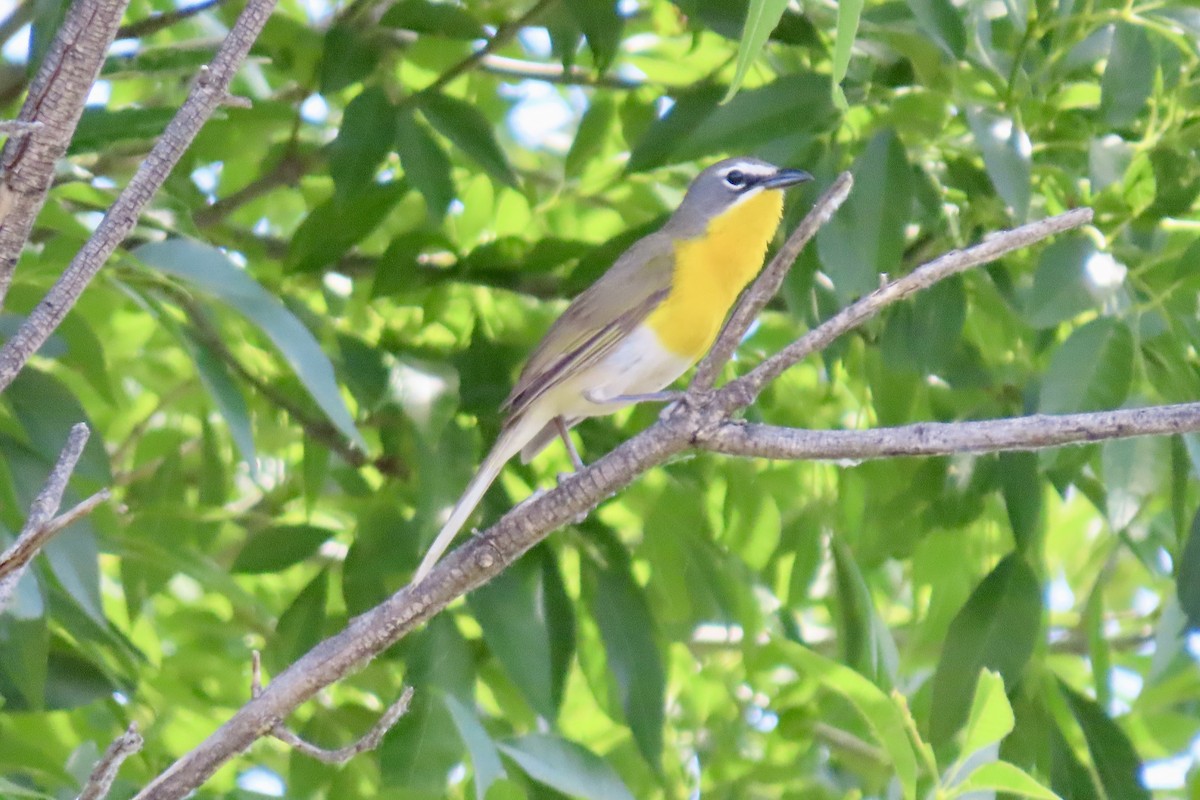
[362, 259]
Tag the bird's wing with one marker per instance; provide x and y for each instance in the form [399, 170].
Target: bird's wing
[597, 320]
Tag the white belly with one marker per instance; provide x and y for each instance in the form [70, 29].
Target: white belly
[638, 365]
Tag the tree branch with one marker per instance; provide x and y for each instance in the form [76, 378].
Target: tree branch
[56, 100]
[210, 90]
[486, 554]
[368, 741]
[1035, 432]
[40, 525]
[105, 772]
[158, 22]
[743, 391]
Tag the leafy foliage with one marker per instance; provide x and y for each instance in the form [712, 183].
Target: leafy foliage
[296, 365]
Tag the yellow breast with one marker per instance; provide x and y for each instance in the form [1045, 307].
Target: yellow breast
[711, 270]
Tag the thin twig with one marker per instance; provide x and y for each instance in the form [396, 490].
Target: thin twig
[481, 558]
[743, 391]
[945, 438]
[19, 127]
[100, 782]
[38, 528]
[158, 22]
[503, 35]
[754, 299]
[55, 99]
[286, 172]
[208, 92]
[368, 741]
[553, 73]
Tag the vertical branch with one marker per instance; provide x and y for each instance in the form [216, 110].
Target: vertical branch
[56, 101]
[209, 92]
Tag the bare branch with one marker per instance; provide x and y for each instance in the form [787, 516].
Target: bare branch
[486, 554]
[368, 741]
[743, 391]
[754, 299]
[105, 772]
[158, 22]
[39, 526]
[19, 127]
[207, 94]
[945, 438]
[553, 73]
[56, 100]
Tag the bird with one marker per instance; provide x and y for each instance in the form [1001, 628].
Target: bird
[651, 316]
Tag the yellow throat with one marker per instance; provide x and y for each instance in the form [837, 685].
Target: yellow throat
[711, 270]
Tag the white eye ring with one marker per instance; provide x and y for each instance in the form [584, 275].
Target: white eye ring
[735, 179]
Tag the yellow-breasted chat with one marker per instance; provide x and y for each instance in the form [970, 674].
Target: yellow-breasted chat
[649, 318]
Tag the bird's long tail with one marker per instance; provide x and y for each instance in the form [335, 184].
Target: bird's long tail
[508, 444]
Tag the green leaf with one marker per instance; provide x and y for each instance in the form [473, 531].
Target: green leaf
[515, 611]
[485, 758]
[991, 717]
[761, 18]
[300, 626]
[214, 374]
[1021, 485]
[1060, 285]
[941, 20]
[470, 131]
[879, 711]
[100, 127]
[421, 749]
[368, 130]
[1116, 762]
[1128, 76]
[601, 25]
[996, 629]
[1000, 776]
[865, 638]
[623, 615]
[1091, 370]
[211, 271]
[565, 766]
[866, 236]
[10, 789]
[47, 409]
[698, 125]
[1187, 575]
[1134, 470]
[594, 130]
[848, 15]
[280, 546]
[1099, 650]
[426, 165]
[433, 19]
[350, 56]
[1006, 156]
[335, 226]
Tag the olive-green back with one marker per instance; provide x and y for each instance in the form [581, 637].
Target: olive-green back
[598, 319]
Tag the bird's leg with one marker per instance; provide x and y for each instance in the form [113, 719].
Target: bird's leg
[561, 425]
[669, 396]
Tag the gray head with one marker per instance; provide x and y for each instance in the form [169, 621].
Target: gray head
[727, 183]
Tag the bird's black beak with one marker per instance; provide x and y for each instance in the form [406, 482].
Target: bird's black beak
[785, 178]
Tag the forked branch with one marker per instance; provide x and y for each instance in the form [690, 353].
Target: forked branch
[702, 420]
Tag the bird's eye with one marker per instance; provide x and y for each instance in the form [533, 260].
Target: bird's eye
[735, 179]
